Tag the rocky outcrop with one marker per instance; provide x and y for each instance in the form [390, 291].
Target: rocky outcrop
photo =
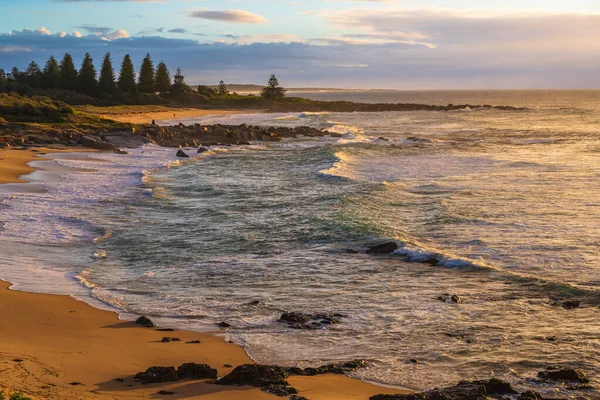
[298, 320]
[196, 371]
[474, 390]
[563, 374]
[157, 375]
[384, 248]
[182, 154]
[339, 368]
[263, 376]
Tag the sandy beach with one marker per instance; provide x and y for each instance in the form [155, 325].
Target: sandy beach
[145, 114]
[57, 347]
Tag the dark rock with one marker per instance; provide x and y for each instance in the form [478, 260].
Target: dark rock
[256, 303]
[181, 153]
[299, 320]
[280, 390]
[87, 141]
[532, 395]
[165, 330]
[255, 375]
[294, 397]
[442, 299]
[223, 325]
[384, 139]
[384, 248]
[228, 365]
[203, 149]
[563, 374]
[352, 251]
[476, 390]
[456, 299]
[166, 339]
[338, 368]
[105, 146]
[196, 371]
[193, 342]
[158, 375]
[494, 386]
[165, 392]
[76, 384]
[145, 322]
[175, 339]
[571, 304]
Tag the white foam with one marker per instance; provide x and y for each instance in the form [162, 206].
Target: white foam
[37, 225]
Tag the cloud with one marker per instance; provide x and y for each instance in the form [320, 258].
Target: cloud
[14, 49]
[267, 38]
[235, 16]
[178, 30]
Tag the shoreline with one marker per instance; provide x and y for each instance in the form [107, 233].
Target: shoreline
[57, 336]
[144, 115]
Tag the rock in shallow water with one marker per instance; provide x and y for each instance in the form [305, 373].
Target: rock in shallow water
[384, 248]
[181, 153]
[476, 390]
[563, 374]
[298, 320]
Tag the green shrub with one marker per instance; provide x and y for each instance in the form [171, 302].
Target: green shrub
[14, 107]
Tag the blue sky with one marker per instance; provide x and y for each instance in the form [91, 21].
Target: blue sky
[402, 44]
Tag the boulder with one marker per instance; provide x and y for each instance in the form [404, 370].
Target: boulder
[571, 304]
[298, 320]
[157, 375]
[563, 374]
[476, 390]
[203, 149]
[196, 371]
[87, 141]
[223, 325]
[145, 322]
[384, 248]
[181, 153]
[339, 368]
[105, 146]
[456, 299]
[255, 375]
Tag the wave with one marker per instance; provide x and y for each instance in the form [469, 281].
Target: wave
[307, 114]
[340, 168]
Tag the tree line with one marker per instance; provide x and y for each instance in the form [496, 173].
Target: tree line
[150, 80]
[86, 80]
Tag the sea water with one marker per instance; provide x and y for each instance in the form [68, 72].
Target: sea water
[505, 204]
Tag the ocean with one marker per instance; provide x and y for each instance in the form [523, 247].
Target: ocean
[501, 208]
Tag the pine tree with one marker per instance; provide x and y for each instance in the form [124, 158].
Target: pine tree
[273, 90]
[163, 78]
[68, 73]
[146, 83]
[33, 69]
[16, 75]
[51, 74]
[127, 76]
[179, 78]
[87, 82]
[106, 83]
[3, 80]
[33, 75]
[223, 88]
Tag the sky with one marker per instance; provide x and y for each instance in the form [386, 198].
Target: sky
[362, 44]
